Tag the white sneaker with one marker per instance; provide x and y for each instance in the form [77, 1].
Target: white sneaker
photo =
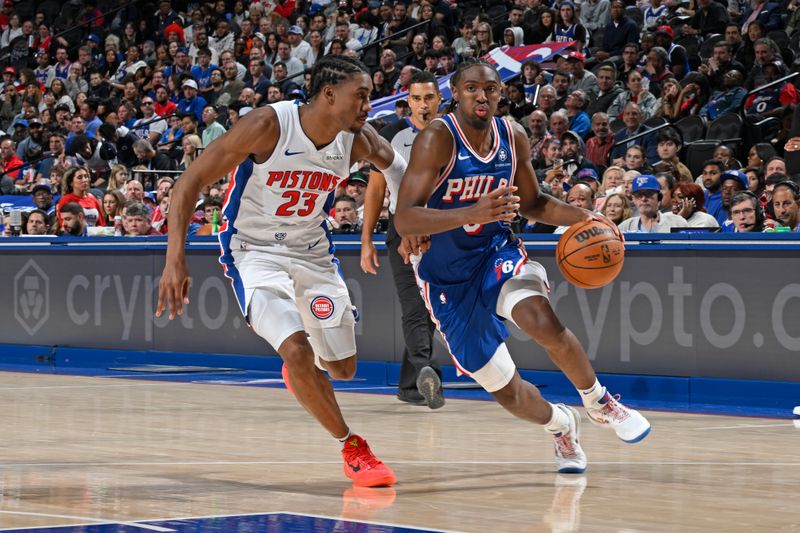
[570, 458]
[796, 413]
[628, 423]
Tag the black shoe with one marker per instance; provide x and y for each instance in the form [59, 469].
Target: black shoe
[430, 386]
[411, 396]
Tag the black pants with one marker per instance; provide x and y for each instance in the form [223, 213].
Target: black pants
[417, 325]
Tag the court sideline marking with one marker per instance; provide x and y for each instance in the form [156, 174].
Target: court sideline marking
[93, 521]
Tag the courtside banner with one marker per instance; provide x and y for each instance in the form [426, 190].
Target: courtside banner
[507, 59]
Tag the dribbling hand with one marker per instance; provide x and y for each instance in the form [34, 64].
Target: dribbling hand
[173, 289]
[498, 205]
[601, 218]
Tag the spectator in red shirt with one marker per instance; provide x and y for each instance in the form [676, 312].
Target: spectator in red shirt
[8, 153]
[76, 189]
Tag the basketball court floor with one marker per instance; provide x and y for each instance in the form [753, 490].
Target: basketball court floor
[101, 454]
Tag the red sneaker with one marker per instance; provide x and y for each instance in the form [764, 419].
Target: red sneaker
[361, 465]
[285, 376]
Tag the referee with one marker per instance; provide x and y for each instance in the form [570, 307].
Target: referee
[420, 377]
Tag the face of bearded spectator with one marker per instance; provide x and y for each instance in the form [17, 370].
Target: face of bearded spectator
[344, 213]
[569, 146]
[72, 223]
[537, 122]
[711, 177]
[43, 199]
[134, 191]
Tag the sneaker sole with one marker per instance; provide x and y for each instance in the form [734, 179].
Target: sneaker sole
[634, 440]
[640, 438]
[574, 469]
[430, 386]
[383, 481]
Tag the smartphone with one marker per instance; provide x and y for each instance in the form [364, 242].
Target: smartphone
[646, 83]
[558, 163]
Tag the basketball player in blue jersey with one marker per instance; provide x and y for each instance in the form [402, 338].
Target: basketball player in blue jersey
[468, 174]
[275, 244]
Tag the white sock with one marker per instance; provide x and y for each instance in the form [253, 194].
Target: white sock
[349, 434]
[559, 421]
[593, 394]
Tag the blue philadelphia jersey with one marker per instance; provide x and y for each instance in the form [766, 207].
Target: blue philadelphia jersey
[461, 275]
[455, 255]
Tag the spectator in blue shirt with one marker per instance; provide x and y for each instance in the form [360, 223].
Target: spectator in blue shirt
[712, 176]
[191, 103]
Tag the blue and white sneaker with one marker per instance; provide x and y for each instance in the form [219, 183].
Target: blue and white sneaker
[629, 425]
[570, 458]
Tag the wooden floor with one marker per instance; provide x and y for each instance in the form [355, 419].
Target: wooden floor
[78, 450]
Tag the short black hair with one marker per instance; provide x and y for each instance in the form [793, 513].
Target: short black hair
[332, 70]
[422, 76]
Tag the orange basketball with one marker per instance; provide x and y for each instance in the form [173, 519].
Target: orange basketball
[590, 254]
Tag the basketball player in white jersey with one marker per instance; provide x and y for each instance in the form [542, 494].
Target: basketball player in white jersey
[420, 377]
[275, 244]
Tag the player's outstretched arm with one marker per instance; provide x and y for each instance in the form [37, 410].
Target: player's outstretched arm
[373, 203]
[256, 133]
[432, 150]
[533, 204]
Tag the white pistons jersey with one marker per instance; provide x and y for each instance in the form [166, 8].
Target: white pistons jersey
[284, 201]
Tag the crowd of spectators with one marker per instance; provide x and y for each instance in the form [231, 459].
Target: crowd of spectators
[106, 102]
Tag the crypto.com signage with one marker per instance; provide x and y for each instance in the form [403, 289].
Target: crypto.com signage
[688, 313]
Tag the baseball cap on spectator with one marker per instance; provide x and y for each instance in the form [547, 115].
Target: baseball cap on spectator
[10, 70]
[357, 178]
[587, 174]
[94, 38]
[666, 30]
[244, 110]
[296, 30]
[34, 122]
[150, 197]
[314, 9]
[374, 4]
[21, 122]
[577, 56]
[566, 3]
[735, 175]
[41, 187]
[62, 107]
[260, 36]
[190, 83]
[646, 182]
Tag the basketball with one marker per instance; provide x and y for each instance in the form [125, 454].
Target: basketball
[590, 254]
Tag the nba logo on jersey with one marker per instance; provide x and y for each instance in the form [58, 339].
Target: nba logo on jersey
[322, 307]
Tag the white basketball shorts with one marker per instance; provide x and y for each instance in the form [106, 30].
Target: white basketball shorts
[284, 295]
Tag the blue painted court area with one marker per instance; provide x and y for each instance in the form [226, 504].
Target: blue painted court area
[271, 522]
[732, 397]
